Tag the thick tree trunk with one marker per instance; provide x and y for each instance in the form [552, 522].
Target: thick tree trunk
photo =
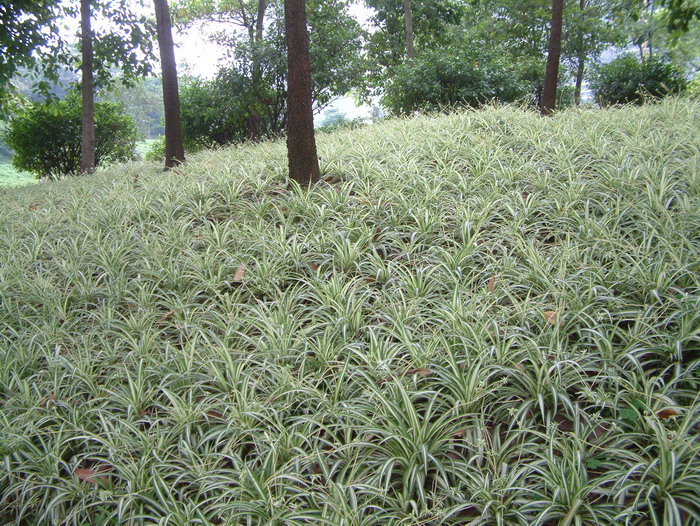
[174, 148]
[408, 15]
[87, 142]
[301, 143]
[549, 95]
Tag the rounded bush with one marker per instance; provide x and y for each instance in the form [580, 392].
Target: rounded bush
[213, 112]
[46, 137]
[440, 79]
[629, 80]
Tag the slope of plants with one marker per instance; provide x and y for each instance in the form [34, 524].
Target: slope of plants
[481, 318]
[9, 176]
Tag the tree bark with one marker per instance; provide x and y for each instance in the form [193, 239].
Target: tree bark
[408, 15]
[87, 142]
[549, 95]
[301, 143]
[254, 119]
[174, 147]
[581, 66]
[580, 69]
[645, 44]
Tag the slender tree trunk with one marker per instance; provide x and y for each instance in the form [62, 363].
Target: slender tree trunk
[580, 69]
[408, 15]
[301, 143]
[254, 119]
[549, 95]
[581, 66]
[87, 142]
[645, 44]
[174, 148]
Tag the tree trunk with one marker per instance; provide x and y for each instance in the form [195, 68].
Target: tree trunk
[580, 69]
[301, 143]
[581, 66]
[174, 148]
[254, 119]
[408, 15]
[645, 44]
[87, 142]
[549, 95]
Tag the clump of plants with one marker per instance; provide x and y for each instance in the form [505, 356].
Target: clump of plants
[439, 79]
[627, 79]
[45, 136]
[481, 318]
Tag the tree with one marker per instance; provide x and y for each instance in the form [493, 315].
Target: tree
[174, 148]
[125, 45]
[587, 32]
[549, 95]
[252, 89]
[26, 27]
[87, 143]
[402, 29]
[301, 143]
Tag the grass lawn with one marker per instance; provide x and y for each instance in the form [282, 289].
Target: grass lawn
[9, 176]
[481, 318]
[143, 147]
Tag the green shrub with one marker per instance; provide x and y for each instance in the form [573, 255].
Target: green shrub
[626, 79]
[156, 150]
[693, 88]
[46, 137]
[213, 112]
[438, 79]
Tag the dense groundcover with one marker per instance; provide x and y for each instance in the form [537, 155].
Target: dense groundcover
[481, 318]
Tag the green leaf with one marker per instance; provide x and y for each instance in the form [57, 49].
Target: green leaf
[593, 463]
[629, 414]
[638, 405]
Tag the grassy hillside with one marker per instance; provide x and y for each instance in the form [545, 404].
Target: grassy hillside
[9, 176]
[481, 318]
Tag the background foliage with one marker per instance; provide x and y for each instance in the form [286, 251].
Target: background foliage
[628, 79]
[46, 137]
[440, 79]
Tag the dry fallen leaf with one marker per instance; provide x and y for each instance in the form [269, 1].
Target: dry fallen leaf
[667, 413]
[492, 283]
[239, 275]
[92, 475]
[47, 399]
[422, 371]
[551, 316]
[313, 266]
